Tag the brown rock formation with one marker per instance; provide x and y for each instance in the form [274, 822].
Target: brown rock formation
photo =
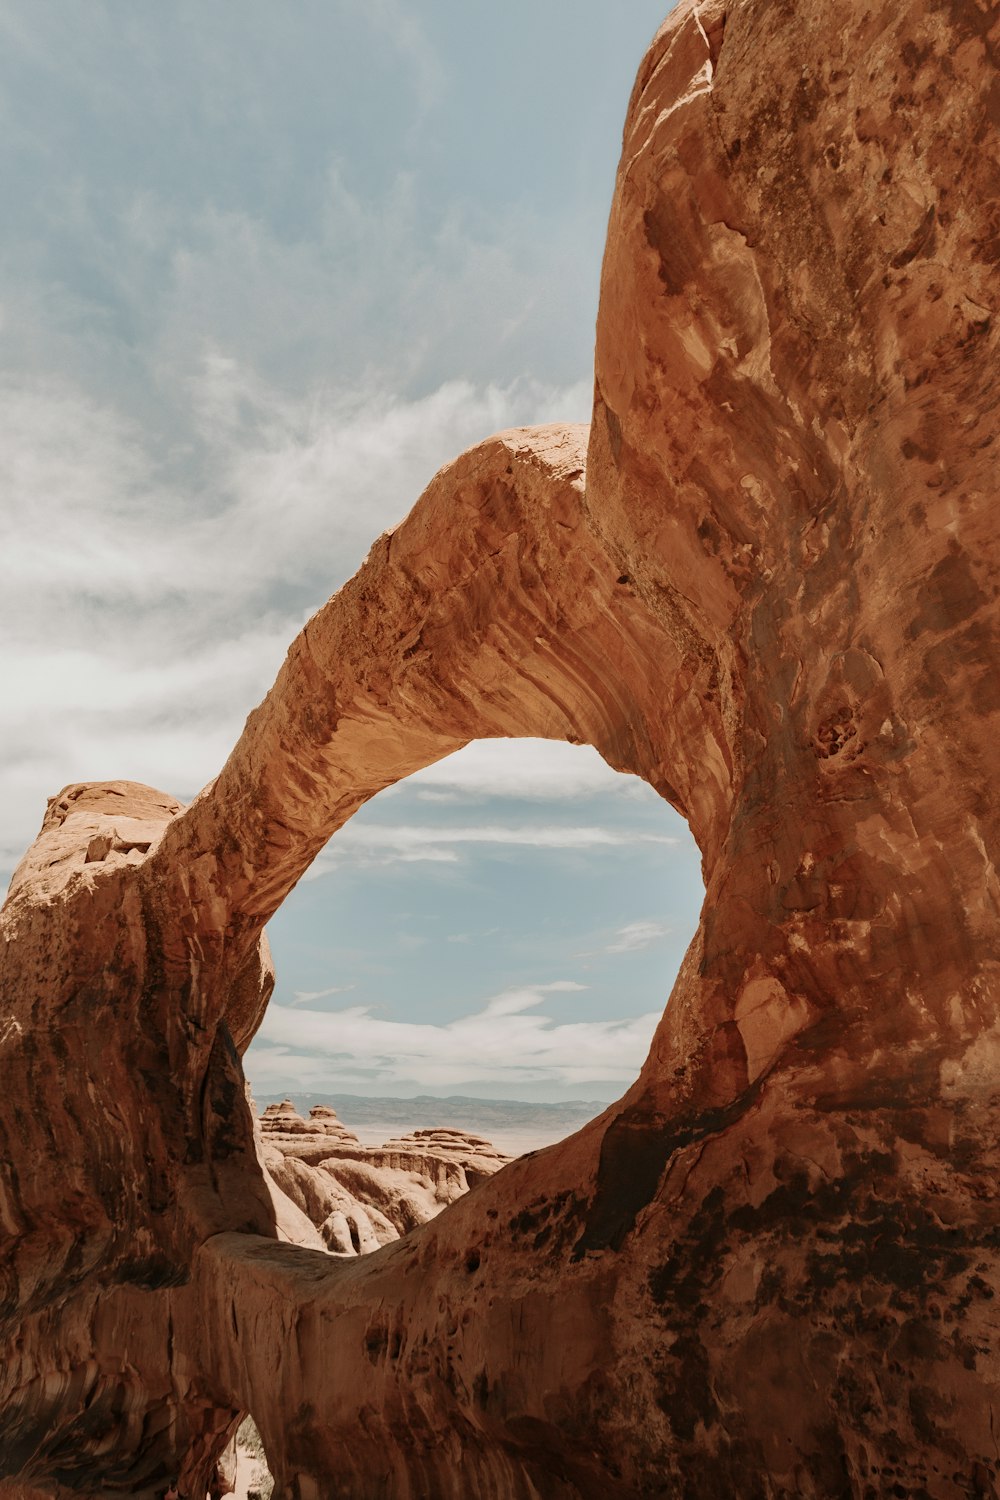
[284, 1119]
[477, 1157]
[771, 1269]
[336, 1219]
[360, 1197]
[284, 1128]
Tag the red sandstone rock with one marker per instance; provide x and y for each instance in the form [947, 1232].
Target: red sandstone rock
[772, 1268]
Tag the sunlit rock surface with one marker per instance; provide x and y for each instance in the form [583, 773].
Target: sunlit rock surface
[765, 581]
[360, 1197]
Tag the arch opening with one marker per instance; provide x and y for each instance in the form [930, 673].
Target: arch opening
[244, 1467]
[504, 925]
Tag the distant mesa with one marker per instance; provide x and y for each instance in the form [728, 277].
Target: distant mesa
[284, 1119]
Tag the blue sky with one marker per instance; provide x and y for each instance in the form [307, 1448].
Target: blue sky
[263, 271]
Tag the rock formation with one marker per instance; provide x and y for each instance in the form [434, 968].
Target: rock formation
[429, 1150]
[766, 581]
[283, 1127]
[360, 1197]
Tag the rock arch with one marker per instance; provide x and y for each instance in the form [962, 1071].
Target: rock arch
[770, 589]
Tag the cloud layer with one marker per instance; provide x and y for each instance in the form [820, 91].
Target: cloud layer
[525, 769]
[259, 280]
[144, 620]
[383, 844]
[509, 1043]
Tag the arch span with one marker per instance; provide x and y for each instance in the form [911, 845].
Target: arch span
[496, 608]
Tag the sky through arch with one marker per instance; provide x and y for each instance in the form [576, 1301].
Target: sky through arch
[505, 924]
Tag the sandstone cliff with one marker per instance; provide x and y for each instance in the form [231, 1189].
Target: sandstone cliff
[766, 581]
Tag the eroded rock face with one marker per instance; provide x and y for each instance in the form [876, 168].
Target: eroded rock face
[766, 581]
[283, 1127]
[360, 1197]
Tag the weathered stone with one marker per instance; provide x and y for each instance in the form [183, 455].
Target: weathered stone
[771, 1269]
[360, 1197]
[283, 1127]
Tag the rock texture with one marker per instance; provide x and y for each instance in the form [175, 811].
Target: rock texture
[284, 1128]
[360, 1197]
[766, 581]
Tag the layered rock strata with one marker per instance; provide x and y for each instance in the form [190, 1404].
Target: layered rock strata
[283, 1128]
[360, 1197]
[765, 581]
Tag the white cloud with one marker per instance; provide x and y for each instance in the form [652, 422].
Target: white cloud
[136, 644]
[227, 362]
[636, 935]
[380, 844]
[306, 997]
[286, 491]
[510, 1041]
[543, 769]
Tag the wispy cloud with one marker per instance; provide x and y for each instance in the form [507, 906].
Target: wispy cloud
[379, 844]
[213, 397]
[636, 935]
[136, 647]
[401, 30]
[528, 769]
[308, 997]
[509, 1041]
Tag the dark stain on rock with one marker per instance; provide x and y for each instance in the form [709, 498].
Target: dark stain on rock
[683, 1281]
[949, 595]
[226, 1120]
[969, 659]
[548, 1220]
[614, 427]
[881, 1090]
[910, 448]
[710, 535]
[680, 259]
[921, 242]
[152, 1272]
[376, 1342]
[635, 1152]
[687, 1400]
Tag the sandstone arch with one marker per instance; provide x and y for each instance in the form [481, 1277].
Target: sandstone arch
[771, 1269]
